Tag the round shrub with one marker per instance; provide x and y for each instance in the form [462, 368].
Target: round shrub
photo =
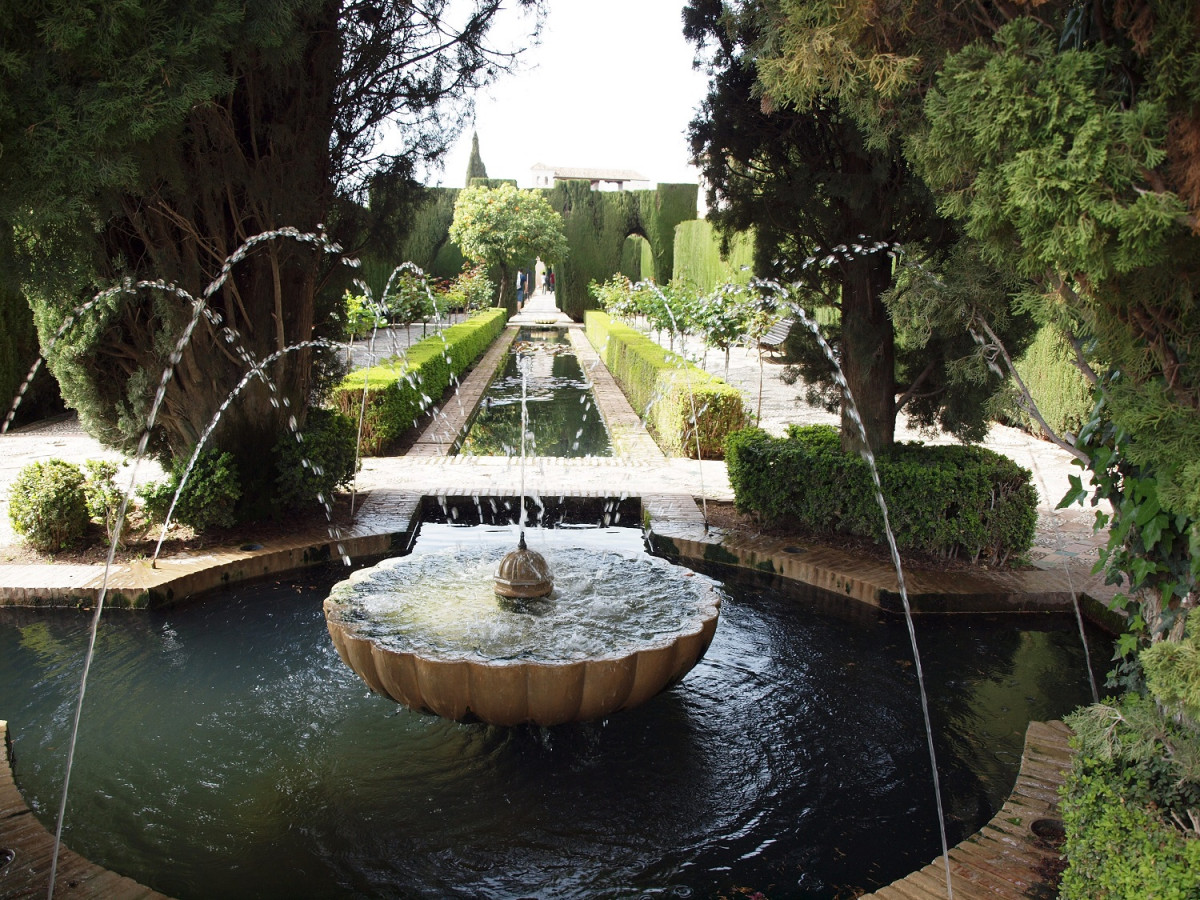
[47, 505]
[209, 498]
[318, 465]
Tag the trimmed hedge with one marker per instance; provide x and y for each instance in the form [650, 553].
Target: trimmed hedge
[699, 261]
[947, 500]
[1063, 396]
[48, 505]
[598, 222]
[661, 386]
[402, 389]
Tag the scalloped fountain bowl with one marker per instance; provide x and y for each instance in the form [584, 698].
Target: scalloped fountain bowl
[428, 632]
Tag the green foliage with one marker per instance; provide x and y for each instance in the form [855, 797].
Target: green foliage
[1058, 170]
[475, 166]
[700, 260]
[1131, 803]
[1062, 393]
[597, 224]
[427, 240]
[48, 506]
[1117, 848]
[470, 291]
[399, 391]
[146, 140]
[637, 258]
[19, 347]
[1032, 149]
[104, 498]
[319, 463]
[363, 315]
[946, 500]
[506, 227]
[409, 298]
[1150, 548]
[677, 400]
[815, 188]
[209, 497]
[726, 315]
[1173, 676]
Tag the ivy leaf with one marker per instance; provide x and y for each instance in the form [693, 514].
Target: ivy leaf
[1152, 531]
[1076, 494]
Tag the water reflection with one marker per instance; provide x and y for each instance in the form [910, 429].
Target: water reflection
[563, 419]
[228, 752]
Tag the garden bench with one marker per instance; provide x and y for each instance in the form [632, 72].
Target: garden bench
[773, 340]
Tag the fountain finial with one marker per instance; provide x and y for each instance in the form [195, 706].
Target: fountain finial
[523, 573]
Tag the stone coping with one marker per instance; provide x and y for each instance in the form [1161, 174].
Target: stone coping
[32, 848]
[1008, 858]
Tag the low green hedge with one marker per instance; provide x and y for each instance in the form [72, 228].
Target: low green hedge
[947, 500]
[401, 390]
[663, 387]
[1118, 846]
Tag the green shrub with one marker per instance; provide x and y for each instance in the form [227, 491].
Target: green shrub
[362, 315]
[1116, 849]
[401, 390]
[1063, 396]
[946, 500]
[310, 470]
[664, 389]
[47, 505]
[209, 498]
[104, 498]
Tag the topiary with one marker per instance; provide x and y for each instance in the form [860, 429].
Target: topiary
[47, 505]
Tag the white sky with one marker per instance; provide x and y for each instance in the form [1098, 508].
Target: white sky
[611, 85]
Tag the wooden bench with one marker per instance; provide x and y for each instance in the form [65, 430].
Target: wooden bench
[773, 340]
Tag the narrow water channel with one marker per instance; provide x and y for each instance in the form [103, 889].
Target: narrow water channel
[563, 420]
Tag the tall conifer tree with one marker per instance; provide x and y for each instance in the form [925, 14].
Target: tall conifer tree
[475, 168]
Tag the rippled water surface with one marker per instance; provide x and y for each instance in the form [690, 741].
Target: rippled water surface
[444, 605]
[227, 752]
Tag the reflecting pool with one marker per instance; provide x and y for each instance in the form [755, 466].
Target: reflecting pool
[563, 418]
[226, 751]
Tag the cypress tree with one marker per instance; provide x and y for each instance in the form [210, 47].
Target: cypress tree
[475, 168]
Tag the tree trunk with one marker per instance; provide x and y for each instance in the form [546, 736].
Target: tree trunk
[868, 353]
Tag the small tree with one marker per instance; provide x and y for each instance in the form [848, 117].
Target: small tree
[724, 317]
[504, 226]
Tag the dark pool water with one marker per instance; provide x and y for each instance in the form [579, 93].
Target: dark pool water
[563, 420]
[227, 752]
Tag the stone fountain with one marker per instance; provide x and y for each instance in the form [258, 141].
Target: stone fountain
[449, 634]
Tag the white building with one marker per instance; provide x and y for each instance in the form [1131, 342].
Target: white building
[601, 179]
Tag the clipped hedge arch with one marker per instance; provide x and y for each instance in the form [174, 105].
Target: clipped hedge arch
[597, 224]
